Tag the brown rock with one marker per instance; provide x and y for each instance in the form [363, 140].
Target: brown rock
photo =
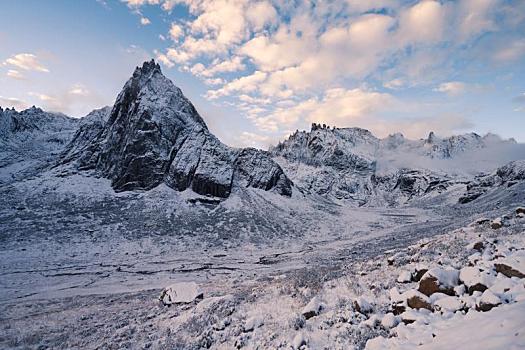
[496, 224]
[416, 302]
[398, 309]
[508, 271]
[520, 210]
[485, 307]
[479, 287]
[479, 246]
[430, 285]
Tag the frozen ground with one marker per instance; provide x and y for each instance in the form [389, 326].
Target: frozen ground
[82, 266]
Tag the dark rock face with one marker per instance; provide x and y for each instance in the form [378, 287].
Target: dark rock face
[508, 271]
[154, 135]
[248, 162]
[88, 128]
[507, 175]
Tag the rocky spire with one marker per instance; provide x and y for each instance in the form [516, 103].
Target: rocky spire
[155, 135]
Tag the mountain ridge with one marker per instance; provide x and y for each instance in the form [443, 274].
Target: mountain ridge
[154, 135]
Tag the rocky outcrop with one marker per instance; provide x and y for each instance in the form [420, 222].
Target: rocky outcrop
[507, 175]
[154, 135]
[88, 128]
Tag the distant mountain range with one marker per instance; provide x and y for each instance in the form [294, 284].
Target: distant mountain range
[153, 134]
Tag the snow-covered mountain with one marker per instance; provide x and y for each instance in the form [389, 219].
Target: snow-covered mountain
[352, 164]
[30, 138]
[33, 125]
[155, 135]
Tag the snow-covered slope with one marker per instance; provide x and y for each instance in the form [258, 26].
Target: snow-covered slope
[155, 135]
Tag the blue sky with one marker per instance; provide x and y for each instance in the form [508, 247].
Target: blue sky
[258, 70]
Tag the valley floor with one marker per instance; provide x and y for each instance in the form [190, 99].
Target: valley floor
[86, 271]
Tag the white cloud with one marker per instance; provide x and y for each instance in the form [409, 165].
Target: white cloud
[79, 89]
[510, 51]
[145, 21]
[337, 106]
[13, 102]
[219, 66]
[452, 88]
[260, 14]
[394, 84]
[422, 23]
[162, 58]
[249, 139]
[138, 3]
[243, 84]
[42, 97]
[26, 61]
[476, 16]
[176, 32]
[12, 73]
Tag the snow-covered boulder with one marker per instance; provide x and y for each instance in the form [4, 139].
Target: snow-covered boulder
[487, 301]
[497, 223]
[390, 320]
[512, 266]
[312, 308]
[404, 277]
[299, 340]
[439, 280]
[475, 279]
[448, 303]
[252, 323]
[181, 292]
[416, 300]
[362, 305]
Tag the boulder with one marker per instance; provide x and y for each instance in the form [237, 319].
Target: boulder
[390, 321]
[479, 246]
[252, 323]
[404, 277]
[181, 293]
[438, 280]
[419, 301]
[520, 210]
[299, 340]
[508, 270]
[312, 308]
[450, 304]
[475, 279]
[487, 301]
[496, 224]
[361, 305]
[418, 274]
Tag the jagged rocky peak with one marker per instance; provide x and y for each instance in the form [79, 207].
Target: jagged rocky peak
[337, 147]
[451, 146]
[155, 135]
[32, 121]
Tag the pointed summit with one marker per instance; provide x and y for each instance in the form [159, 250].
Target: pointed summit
[155, 135]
